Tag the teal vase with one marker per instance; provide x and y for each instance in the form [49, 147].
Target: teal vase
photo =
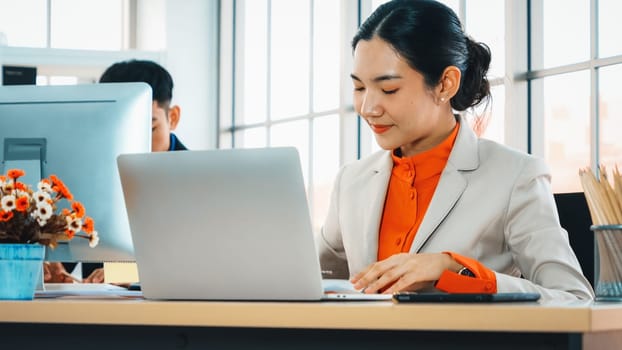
[20, 270]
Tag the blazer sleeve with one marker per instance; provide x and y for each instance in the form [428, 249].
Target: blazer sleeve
[538, 244]
[329, 242]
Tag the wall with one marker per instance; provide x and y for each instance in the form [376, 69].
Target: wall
[191, 57]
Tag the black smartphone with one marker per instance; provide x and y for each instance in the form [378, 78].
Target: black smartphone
[414, 297]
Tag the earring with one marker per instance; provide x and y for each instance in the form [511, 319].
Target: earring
[442, 99]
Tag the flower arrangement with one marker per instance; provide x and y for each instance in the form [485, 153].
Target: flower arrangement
[28, 216]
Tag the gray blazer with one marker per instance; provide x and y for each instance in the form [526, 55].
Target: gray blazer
[492, 203]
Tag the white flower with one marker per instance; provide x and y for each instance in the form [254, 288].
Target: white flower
[44, 211]
[73, 223]
[41, 197]
[40, 221]
[8, 202]
[44, 186]
[93, 239]
[8, 187]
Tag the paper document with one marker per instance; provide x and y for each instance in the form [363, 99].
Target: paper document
[53, 290]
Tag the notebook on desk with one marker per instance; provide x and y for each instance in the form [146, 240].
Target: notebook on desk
[222, 225]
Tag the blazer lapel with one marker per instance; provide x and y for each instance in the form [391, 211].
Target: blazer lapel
[449, 189]
[376, 190]
[463, 157]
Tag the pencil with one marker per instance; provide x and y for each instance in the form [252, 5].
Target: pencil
[74, 278]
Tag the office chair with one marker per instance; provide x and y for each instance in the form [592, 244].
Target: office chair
[574, 216]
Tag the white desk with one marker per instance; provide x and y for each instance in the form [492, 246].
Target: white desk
[139, 324]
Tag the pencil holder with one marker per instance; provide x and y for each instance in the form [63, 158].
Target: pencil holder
[608, 262]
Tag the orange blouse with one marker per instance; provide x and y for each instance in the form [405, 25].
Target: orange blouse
[411, 187]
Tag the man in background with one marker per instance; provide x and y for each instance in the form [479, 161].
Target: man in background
[165, 116]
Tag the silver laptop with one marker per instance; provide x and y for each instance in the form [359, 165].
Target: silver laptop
[222, 225]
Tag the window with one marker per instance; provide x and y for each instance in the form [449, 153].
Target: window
[556, 29]
[73, 41]
[566, 103]
[93, 24]
[609, 27]
[484, 21]
[20, 30]
[575, 63]
[287, 83]
[68, 24]
[610, 117]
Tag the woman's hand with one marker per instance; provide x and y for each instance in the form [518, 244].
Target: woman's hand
[97, 276]
[403, 272]
[54, 272]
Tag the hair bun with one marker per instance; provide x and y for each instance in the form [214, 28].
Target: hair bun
[474, 84]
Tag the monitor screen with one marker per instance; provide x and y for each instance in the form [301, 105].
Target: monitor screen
[76, 132]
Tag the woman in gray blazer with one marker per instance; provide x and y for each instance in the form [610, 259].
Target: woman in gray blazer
[491, 223]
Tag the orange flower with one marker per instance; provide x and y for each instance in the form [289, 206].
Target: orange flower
[66, 212]
[2, 178]
[15, 173]
[6, 215]
[59, 186]
[20, 186]
[89, 225]
[22, 203]
[78, 208]
[70, 234]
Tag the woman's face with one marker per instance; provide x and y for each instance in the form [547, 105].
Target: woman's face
[395, 102]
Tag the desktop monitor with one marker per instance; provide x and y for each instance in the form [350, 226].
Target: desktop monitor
[76, 132]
